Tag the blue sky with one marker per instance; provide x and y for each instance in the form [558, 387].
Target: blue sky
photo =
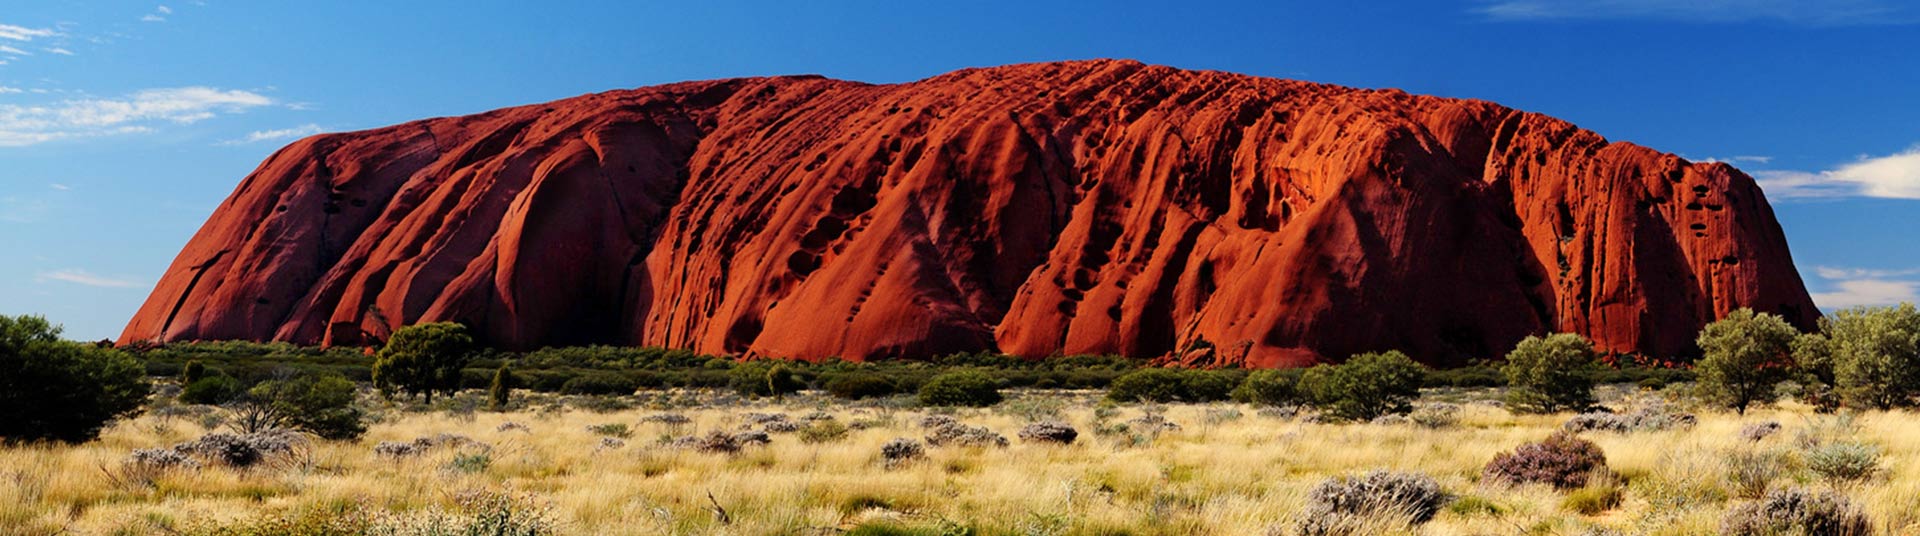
[123, 124]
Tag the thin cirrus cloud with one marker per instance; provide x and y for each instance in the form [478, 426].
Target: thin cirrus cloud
[23, 34]
[1857, 287]
[1895, 176]
[140, 111]
[1802, 12]
[82, 277]
[275, 135]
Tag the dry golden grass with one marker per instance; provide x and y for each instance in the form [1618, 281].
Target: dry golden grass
[1217, 475]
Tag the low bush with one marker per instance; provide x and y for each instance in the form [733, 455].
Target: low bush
[1797, 512]
[600, 383]
[823, 431]
[1562, 461]
[1049, 432]
[1270, 387]
[1759, 430]
[1172, 385]
[214, 390]
[901, 450]
[1843, 462]
[960, 435]
[1371, 504]
[855, 386]
[970, 388]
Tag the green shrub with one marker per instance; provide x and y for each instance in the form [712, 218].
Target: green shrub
[1365, 387]
[216, 389]
[1843, 462]
[1746, 355]
[599, 383]
[857, 385]
[1550, 374]
[1270, 388]
[317, 402]
[51, 389]
[765, 378]
[961, 388]
[1171, 385]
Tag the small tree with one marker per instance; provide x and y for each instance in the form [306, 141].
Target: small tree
[1551, 374]
[51, 389]
[1746, 355]
[1366, 386]
[961, 388]
[501, 390]
[424, 359]
[1875, 355]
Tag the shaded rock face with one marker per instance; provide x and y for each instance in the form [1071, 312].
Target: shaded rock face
[1039, 210]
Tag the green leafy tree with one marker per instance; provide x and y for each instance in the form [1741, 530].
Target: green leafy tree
[424, 359]
[1745, 356]
[500, 392]
[1366, 386]
[1272, 387]
[1874, 353]
[1551, 374]
[52, 389]
[961, 388]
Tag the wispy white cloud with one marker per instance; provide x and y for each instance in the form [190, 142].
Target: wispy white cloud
[164, 10]
[1868, 292]
[60, 187]
[20, 33]
[5, 90]
[14, 51]
[153, 18]
[279, 134]
[58, 50]
[1739, 159]
[1804, 12]
[30, 125]
[1894, 176]
[81, 277]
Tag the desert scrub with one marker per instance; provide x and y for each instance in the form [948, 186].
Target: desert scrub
[1049, 432]
[823, 431]
[900, 451]
[615, 429]
[1562, 461]
[1759, 430]
[1843, 462]
[1372, 503]
[970, 388]
[1750, 473]
[1797, 512]
[961, 435]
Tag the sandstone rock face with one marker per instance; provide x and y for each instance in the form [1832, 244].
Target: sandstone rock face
[1046, 209]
